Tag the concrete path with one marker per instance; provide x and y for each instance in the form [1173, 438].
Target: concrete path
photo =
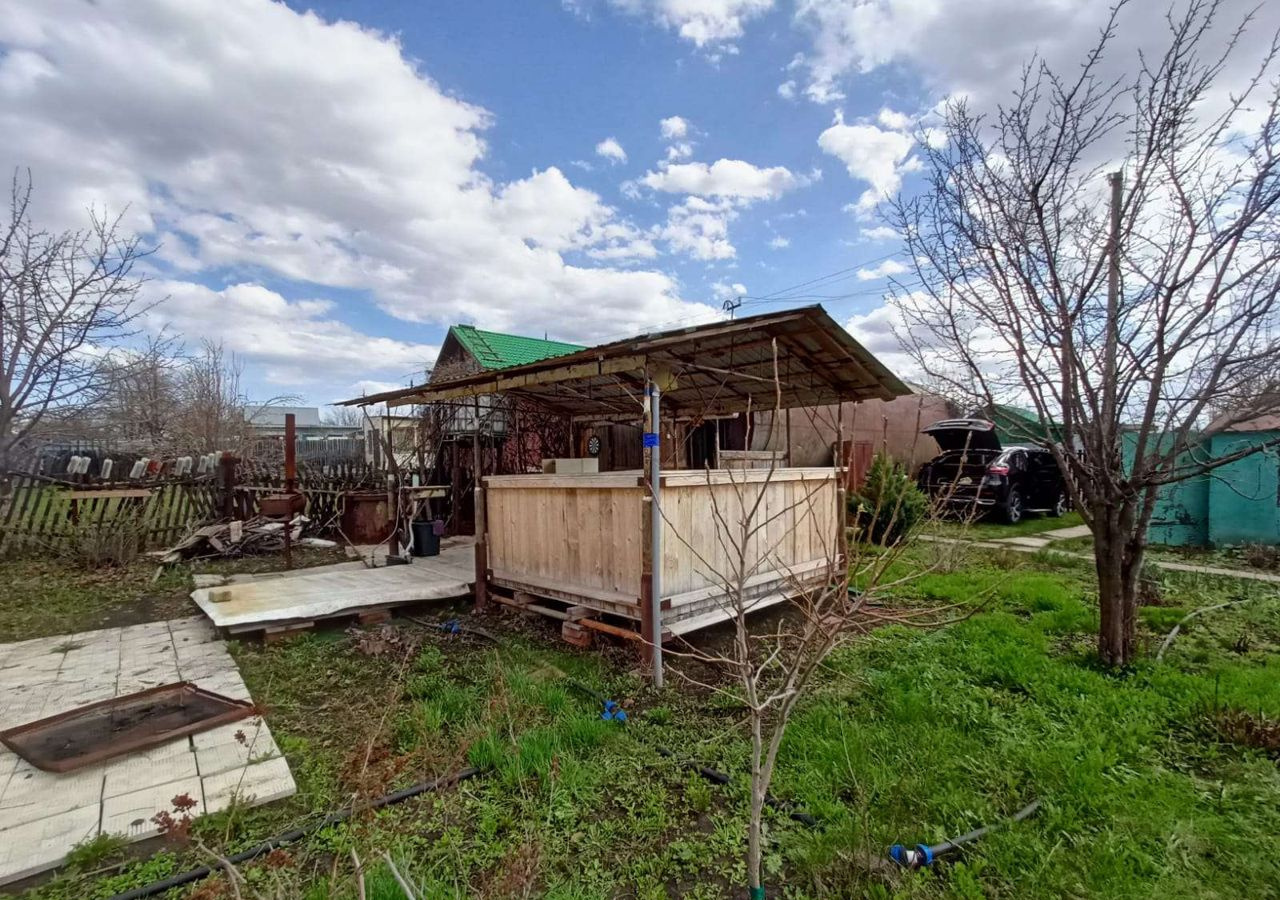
[1009, 544]
[1045, 538]
[43, 814]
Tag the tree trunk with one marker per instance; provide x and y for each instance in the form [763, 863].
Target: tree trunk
[1118, 561]
[759, 787]
[6, 480]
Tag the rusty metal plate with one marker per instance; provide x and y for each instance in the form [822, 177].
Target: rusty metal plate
[99, 731]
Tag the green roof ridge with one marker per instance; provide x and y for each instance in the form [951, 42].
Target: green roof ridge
[495, 350]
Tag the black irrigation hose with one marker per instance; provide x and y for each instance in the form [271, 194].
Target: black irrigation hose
[924, 855]
[712, 775]
[717, 777]
[202, 872]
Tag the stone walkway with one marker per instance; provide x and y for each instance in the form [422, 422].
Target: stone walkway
[1045, 538]
[1021, 546]
[43, 815]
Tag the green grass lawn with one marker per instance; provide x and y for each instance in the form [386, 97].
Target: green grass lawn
[1150, 787]
[989, 528]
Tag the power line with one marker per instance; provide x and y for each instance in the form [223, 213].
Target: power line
[822, 278]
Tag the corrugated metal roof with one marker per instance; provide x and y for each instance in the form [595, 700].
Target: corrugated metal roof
[494, 350]
[714, 369]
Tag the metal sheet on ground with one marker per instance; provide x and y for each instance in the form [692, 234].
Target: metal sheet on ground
[109, 728]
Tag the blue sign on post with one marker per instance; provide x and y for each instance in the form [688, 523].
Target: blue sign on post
[650, 439]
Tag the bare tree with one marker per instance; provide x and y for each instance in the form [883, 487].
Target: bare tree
[142, 405]
[65, 299]
[771, 671]
[343, 416]
[1120, 312]
[212, 411]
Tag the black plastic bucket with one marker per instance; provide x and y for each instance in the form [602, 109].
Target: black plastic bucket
[426, 540]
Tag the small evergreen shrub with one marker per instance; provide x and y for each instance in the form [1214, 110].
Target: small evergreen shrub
[888, 505]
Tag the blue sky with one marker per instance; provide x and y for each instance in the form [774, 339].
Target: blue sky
[331, 184]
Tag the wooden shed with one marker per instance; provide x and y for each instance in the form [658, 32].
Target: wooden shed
[647, 548]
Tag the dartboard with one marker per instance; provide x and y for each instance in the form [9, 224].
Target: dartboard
[593, 445]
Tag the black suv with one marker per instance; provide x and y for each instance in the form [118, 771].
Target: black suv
[973, 473]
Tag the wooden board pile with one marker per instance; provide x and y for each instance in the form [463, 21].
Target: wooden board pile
[240, 538]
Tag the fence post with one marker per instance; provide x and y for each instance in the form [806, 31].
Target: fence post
[228, 464]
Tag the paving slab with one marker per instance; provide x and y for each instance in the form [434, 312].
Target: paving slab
[132, 815]
[1034, 541]
[233, 746]
[307, 596]
[173, 761]
[28, 848]
[1063, 534]
[262, 782]
[43, 814]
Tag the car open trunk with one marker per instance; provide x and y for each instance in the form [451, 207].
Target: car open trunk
[964, 434]
[968, 447]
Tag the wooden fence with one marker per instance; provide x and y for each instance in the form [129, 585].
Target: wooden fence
[322, 485]
[47, 513]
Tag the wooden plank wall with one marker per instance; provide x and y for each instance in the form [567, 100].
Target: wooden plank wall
[578, 537]
[569, 534]
[708, 519]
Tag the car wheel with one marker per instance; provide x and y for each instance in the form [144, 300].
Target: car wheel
[1061, 506]
[1013, 508]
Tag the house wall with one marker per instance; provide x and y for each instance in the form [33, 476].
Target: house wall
[892, 424]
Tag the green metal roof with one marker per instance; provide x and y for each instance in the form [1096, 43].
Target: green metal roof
[493, 350]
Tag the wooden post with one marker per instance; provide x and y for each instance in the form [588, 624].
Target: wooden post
[477, 493]
[788, 427]
[842, 506]
[654, 609]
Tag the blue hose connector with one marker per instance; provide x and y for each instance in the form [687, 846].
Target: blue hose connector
[613, 712]
[921, 856]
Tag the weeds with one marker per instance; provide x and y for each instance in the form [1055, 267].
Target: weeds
[911, 738]
[1261, 556]
[1256, 731]
[96, 546]
[95, 852]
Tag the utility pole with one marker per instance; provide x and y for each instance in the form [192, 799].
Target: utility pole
[1112, 342]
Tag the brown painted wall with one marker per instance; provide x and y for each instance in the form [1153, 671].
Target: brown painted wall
[892, 424]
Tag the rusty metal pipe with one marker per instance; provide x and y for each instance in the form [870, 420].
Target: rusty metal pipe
[606, 628]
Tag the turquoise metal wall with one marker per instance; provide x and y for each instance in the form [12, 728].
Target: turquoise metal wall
[1244, 496]
[1238, 503]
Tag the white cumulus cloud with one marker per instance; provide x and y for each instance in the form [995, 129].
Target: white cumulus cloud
[732, 178]
[871, 154]
[674, 127]
[886, 269]
[255, 139]
[611, 150]
[701, 22]
[290, 340]
[700, 228]
[879, 233]
[977, 47]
